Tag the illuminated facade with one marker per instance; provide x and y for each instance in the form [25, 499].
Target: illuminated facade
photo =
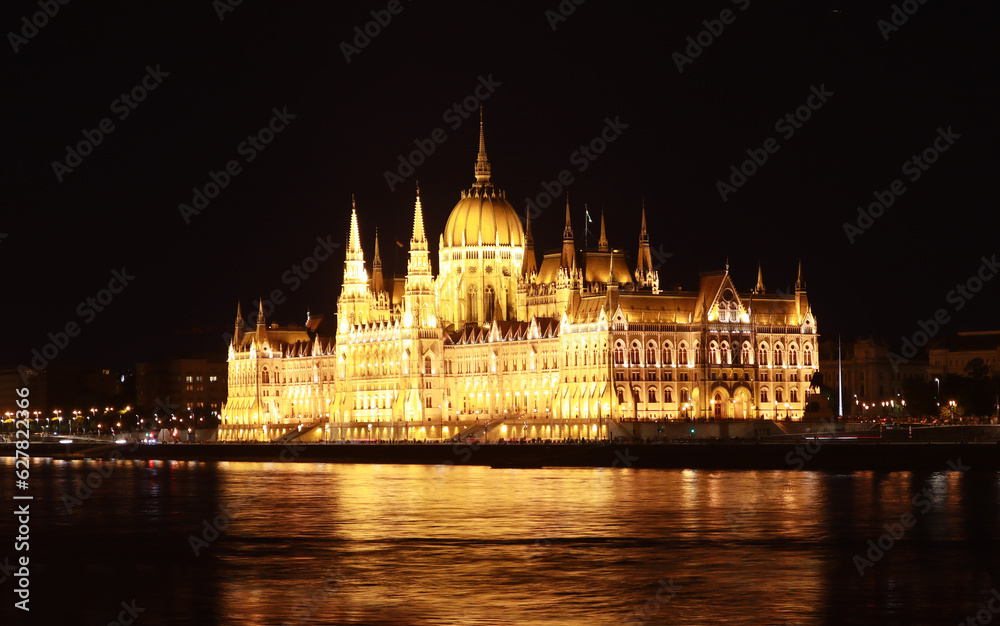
[497, 346]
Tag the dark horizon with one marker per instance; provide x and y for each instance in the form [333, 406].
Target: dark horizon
[887, 95]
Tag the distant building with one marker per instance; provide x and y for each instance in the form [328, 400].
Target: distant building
[868, 376]
[951, 355]
[181, 385]
[497, 345]
[63, 388]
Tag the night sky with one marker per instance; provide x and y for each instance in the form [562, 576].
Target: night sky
[887, 92]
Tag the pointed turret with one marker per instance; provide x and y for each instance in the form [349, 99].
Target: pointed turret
[378, 283]
[528, 265]
[238, 332]
[800, 284]
[482, 163]
[261, 324]
[759, 288]
[602, 244]
[645, 263]
[801, 300]
[568, 249]
[354, 252]
[418, 294]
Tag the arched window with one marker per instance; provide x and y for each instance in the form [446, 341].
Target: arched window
[807, 356]
[633, 354]
[666, 354]
[428, 365]
[621, 395]
[651, 353]
[762, 356]
[727, 355]
[745, 354]
[684, 395]
[652, 395]
[763, 396]
[265, 377]
[489, 304]
[777, 395]
[793, 357]
[473, 305]
[697, 353]
[713, 353]
[619, 353]
[793, 395]
[777, 355]
[682, 354]
[667, 395]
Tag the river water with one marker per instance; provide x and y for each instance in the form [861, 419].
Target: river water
[281, 543]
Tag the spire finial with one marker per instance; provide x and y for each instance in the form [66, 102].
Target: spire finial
[759, 288]
[482, 164]
[643, 233]
[602, 244]
[260, 312]
[568, 231]
[800, 284]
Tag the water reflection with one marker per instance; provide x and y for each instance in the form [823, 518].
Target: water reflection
[388, 544]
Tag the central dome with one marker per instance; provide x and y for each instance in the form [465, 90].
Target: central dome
[483, 212]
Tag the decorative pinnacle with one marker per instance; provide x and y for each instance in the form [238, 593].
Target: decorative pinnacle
[482, 164]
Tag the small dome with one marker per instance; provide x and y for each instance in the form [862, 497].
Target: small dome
[487, 212]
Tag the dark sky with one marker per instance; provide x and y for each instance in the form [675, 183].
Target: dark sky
[220, 80]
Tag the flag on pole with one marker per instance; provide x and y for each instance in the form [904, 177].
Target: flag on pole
[587, 211]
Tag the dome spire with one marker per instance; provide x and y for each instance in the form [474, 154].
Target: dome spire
[482, 164]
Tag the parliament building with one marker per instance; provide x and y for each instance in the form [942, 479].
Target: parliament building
[500, 346]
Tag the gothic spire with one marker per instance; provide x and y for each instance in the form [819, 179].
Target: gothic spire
[800, 284]
[602, 245]
[419, 236]
[482, 164]
[759, 288]
[354, 252]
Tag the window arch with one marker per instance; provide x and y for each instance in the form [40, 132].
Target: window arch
[793, 355]
[621, 395]
[713, 353]
[763, 395]
[619, 353]
[807, 355]
[633, 354]
[762, 355]
[265, 377]
[793, 395]
[777, 354]
[667, 353]
[727, 355]
[682, 354]
[777, 395]
[667, 395]
[745, 354]
[652, 395]
[651, 353]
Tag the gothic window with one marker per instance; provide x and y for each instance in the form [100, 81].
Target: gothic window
[489, 303]
[807, 356]
[793, 395]
[713, 353]
[777, 355]
[684, 395]
[793, 356]
[619, 353]
[428, 366]
[762, 358]
[777, 395]
[429, 402]
[666, 354]
[763, 396]
[621, 395]
[633, 354]
[651, 353]
[727, 356]
[682, 354]
[697, 353]
[652, 395]
[745, 354]
[667, 395]
[265, 377]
